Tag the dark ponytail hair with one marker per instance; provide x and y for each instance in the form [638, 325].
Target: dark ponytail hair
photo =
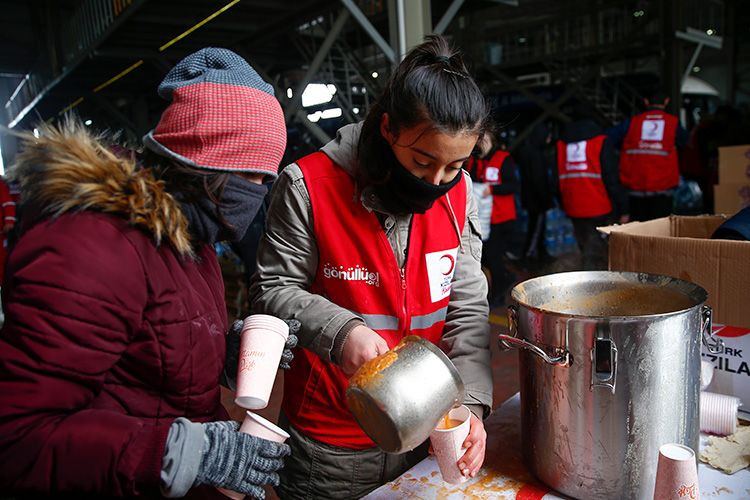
[430, 85]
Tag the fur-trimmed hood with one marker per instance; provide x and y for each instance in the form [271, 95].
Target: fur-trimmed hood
[66, 169]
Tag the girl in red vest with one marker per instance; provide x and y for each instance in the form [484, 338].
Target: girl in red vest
[374, 238]
[497, 170]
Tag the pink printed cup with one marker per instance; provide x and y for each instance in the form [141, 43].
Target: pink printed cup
[447, 444]
[261, 345]
[255, 425]
[676, 474]
[718, 413]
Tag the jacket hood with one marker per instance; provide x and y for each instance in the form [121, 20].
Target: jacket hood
[67, 170]
[343, 149]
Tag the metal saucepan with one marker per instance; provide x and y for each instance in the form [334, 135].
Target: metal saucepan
[399, 397]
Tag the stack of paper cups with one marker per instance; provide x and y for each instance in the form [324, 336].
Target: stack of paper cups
[676, 473]
[256, 425]
[447, 444]
[261, 345]
[719, 413]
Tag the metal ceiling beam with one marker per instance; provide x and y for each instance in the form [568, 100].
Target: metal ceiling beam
[450, 13]
[515, 85]
[68, 68]
[702, 40]
[325, 47]
[370, 30]
[367, 81]
[546, 113]
[118, 115]
[299, 115]
[180, 21]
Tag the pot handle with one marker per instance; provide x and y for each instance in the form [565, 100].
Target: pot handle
[713, 344]
[561, 357]
[604, 364]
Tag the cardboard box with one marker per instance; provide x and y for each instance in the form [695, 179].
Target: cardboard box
[681, 247]
[734, 164]
[730, 198]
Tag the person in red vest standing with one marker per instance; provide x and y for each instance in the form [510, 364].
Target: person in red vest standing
[371, 239]
[589, 187]
[497, 170]
[649, 163]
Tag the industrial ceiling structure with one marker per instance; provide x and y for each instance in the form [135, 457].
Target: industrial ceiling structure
[103, 59]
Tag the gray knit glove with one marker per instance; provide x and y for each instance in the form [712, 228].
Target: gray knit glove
[239, 462]
[232, 357]
[291, 343]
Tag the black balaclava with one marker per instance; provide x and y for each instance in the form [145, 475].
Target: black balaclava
[239, 203]
[405, 193]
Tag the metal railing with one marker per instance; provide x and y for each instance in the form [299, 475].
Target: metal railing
[85, 28]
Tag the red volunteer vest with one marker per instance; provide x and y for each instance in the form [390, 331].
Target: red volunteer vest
[490, 172]
[579, 169]
[648, 161]
[358, 271]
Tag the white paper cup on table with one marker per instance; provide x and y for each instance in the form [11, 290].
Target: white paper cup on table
[718, 413]
[255, 425]
[261, 345]
[676, 474]
[447, 443]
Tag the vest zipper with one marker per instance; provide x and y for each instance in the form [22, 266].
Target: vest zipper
[402, 271]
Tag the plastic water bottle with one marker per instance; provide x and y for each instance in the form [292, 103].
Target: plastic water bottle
[569, 241]
[551, 239]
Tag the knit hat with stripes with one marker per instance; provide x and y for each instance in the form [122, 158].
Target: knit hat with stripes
[222, 116]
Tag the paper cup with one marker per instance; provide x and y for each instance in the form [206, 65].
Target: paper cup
[718, 413]
[261, 345]
[676, 474]
[258, 426]
[255, 425]
[447, 444]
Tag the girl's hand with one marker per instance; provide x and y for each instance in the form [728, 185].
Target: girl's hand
[361, 345]
[476, 442]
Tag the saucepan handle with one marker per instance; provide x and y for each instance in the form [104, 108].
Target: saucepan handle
[714, 344]
[561, 357]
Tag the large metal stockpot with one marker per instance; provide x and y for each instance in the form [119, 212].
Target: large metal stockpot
[610, 371]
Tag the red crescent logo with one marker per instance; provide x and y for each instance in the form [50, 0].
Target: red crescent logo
[655, 126]
[451, 264]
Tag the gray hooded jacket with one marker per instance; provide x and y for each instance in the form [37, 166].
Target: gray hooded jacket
[288, 260]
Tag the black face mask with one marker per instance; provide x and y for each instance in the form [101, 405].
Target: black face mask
[405, 193]
[240, 202]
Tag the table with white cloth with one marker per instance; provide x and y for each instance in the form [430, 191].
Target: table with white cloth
[504, 476]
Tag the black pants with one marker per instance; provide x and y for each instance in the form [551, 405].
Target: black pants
[534, 246]
[643, 208]
[591, 242]
[493, 255]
